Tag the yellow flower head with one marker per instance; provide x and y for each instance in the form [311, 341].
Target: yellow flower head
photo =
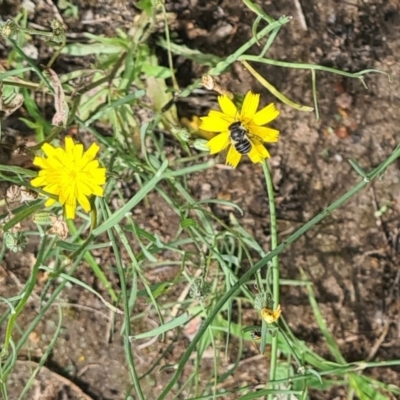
[71, 174]
[270, 316]
[248, 123]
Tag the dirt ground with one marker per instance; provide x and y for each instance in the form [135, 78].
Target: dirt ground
[352, 257]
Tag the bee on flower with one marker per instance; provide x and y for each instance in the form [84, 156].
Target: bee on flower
[241, 132]
[72, 175]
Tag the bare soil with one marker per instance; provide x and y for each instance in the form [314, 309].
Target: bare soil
[352, 257]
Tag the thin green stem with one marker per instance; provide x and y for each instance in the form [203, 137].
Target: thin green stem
[127, 325]
[97, 270]
[32, 64]
[248, 274]
[274, 90]
[274, 232]
[275, 266]
[56, 54]
[223, 65]
[169, 53]
[286, 64]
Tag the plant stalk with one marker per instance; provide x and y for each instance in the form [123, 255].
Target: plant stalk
[275, 266]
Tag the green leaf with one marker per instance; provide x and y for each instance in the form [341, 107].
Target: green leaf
[14, 72]
[115, 104]
[80, 50]
[156, 71]
[140, 195]
[18, 170]
[358, 169]
[74, 246]
[188, 222]
[25, 213]
[191, 54]
[179, 321]
[146, 6]
[156, 288]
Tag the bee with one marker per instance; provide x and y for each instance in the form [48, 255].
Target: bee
[239, 138]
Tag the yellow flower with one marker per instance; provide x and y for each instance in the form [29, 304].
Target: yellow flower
[250, 120]
[270, 316]
[71, 174]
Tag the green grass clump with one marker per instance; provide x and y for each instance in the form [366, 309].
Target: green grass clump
[125, 77]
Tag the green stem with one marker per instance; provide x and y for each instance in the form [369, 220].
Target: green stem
[248, 274]
[223, 65]
[32, 64]
[275, 267]
[97, 270]
[286, 64]
[274, 233]
[30, 31]
[127, 323]
[56, 54]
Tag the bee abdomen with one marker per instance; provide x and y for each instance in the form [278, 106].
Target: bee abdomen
[243, 146]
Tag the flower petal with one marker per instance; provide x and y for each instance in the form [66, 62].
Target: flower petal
[70, 210]
[227, 106]
[49, 202]
[84, 202]
[233, 157]
[262, 151]
[216, 121]
[98, 191]
[55, 164]
[40, 162]
[219, 142]
[265, 115]
[91, 152]
[99, 174]
[83, 188]
[250, 105]
[53, 188]
[268, 135]
[48, 149]
[78, 152]
[68, 198]
[254, 155]
[69, 146]
[64, 195]
[39, 181]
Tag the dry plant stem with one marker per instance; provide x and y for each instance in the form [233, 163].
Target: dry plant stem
[275, 265]
[300, 14]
